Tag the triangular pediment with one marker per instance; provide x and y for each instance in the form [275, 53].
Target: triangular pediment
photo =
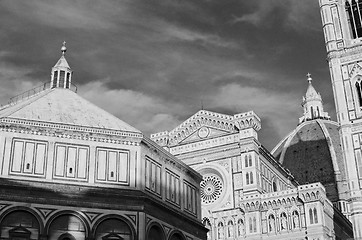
[204, 132]
[202, 125]
[356, 70]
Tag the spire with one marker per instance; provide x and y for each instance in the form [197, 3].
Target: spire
[312, 104]
[61, 72]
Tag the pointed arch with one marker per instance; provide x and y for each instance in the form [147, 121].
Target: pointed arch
[359, 93]
[240, 228]
[311, 219]
[230, 229]
[315, 215]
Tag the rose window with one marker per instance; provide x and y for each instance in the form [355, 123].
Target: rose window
[211, 188]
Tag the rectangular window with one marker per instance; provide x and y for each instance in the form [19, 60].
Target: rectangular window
[113, 165]
[123, 167]
[82, 162]
[190, 198]
[60, 160]
[71, 161]
[55, 79]
[28, 156]
[102, 162]
[40, 158]
[61, 79]
[17, 156]
[172, 187]
[359, 163]
[153, 176]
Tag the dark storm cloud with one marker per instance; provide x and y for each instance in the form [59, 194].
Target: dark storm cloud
[153, 62]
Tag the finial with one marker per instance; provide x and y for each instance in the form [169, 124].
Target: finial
[309, 78]
[64, 48]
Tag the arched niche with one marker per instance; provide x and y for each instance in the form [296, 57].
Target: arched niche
[67, 227]
[176, 235]
[155, 232]
[19, 224]
[113, 228]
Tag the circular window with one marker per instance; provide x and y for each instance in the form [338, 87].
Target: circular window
[211, 188]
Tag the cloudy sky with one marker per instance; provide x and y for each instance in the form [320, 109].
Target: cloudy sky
[152, 62]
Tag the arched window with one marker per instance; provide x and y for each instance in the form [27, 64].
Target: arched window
[220, 230]
[283, 221]
[295, 219]
[55, 79]
[354, 18]
[311, 112]
[246, 161]
[250, 224]
[247, 178]
[67, 82]
[251, 178]
[230, 229]
[311, 216]
[254, 223]
[61, 79]
[240, 228]
[275, 186]
[359, 94]
[207, 224]
[250, 161]
[271, 223]
[318, 112]
[315, 215]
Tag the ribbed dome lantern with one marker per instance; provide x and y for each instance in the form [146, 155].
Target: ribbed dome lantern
[61, 76]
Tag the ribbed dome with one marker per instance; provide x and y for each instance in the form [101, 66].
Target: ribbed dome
[313, 153]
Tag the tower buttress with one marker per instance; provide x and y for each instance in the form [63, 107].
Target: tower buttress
[342, 28]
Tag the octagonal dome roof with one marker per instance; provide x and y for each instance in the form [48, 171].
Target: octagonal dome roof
[313, 153]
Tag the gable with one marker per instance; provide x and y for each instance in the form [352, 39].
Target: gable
[202, 125]
[204, 132]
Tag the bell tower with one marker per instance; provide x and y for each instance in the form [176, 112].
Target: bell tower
[342, 28]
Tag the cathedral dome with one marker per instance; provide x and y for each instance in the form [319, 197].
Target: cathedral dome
[312, 151]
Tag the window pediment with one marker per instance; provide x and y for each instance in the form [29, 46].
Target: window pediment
[355, 71]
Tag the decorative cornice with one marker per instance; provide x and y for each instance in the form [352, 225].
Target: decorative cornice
[70, 127]
[69, 131]
[168, 158]
[346, 54]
